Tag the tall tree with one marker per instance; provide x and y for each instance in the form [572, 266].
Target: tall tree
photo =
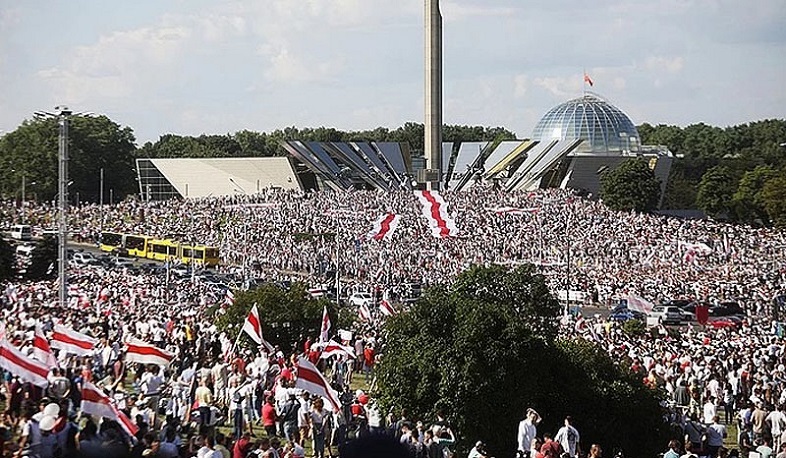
[716, 191]
[773, 197]
[484, 350]
[748, 202]
[630, 186]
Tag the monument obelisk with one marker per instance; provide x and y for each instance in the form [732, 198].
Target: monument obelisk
[433, 96]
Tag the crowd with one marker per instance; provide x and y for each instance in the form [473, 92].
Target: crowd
[712, 378]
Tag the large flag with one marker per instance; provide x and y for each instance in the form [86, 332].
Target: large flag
[95, 402]
[310, 379]
[41, 349]
[436, 212]
[333, 348]
[70, 341]
[387, 308]
[229, 300]
[384, 227]
[639, 304]
[144, 353]
[325, 329]
[27, 369]
[253, 327]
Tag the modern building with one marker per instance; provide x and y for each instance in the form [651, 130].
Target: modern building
[163, 179]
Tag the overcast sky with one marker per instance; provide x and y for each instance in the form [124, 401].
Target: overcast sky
[217, 66]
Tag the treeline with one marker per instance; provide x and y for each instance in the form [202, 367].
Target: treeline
[246, 143]
[736, 173]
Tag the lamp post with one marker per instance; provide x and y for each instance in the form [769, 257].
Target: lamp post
[62, 115]
[240, 189]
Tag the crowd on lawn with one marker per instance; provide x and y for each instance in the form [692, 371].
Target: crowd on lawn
[712, 378]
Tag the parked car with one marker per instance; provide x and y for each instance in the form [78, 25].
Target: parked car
[623, 314]
[83, 258]
[726, 309]
[724, 323]
[666, 314]
[358, 299]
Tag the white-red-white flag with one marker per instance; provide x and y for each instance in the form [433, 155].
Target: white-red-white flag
[229, 299]
[28, 369]
[95, 402]
[364, 312]
[253, 327]
[333, 348]
[436, 212]
[387, 308]
[41, 349]
[144, 353]
[70, 341]
[384, 227]
[639, 304]
[310, 379]
[324, 330]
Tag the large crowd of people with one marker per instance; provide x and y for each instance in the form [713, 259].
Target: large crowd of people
[713, 378]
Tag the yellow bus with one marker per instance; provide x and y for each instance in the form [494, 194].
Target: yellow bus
[162, 250]
[201, 254]
[111, 241]
[136, 245]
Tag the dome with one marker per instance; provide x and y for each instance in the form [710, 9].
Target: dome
[603, 127]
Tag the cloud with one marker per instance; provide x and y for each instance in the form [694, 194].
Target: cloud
[520, 82]
[453, 11]
[290, 68]
[664, 64]
[560, 86]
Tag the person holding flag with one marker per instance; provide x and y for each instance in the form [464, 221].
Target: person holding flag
[325, 328]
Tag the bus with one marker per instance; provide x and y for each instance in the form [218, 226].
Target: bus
[201, 254]
[136, 245]
[111, 242]
[162, 250]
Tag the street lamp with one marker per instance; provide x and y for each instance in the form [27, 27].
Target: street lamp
[62, 114]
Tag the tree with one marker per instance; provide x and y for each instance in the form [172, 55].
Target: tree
[43, 260]
[484, 349]
[715, 191]
[747, 200]
[630, 186]
[288, 316]
[94, 143]
[773, 197]
[7, 260]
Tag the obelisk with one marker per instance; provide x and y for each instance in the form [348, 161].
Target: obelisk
[433, 99]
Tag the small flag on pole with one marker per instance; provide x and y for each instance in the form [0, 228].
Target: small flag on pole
[588, 80]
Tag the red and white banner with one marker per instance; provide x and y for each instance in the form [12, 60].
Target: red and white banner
[70, 341]
[436, 212]
[364, 312]
[387, 308]
[253, 327]
[95, 402]
[514, 210]
[27, 369]
[229, 300]
[333, 348]
[41, 349]
[144, 353]
[325, 329]
[310, 379]
[639, 304]
[384, 227]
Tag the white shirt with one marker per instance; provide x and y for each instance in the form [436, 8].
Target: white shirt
[527, 432]
[568, 437]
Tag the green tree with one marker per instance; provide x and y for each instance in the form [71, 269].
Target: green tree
[7, 260]
[630, 186]
[287, 316]
[484, 350]
[747, 200]
[94, 143]
[773, 196]
[43, 260]
[716, 190]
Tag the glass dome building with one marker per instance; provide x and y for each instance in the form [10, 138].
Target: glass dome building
[603, 127]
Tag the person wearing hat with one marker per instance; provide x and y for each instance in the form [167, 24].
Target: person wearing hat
[528, 430]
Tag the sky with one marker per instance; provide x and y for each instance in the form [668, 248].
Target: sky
[190, 67]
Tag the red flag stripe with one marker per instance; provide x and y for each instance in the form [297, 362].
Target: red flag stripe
[385, 226]
[316, 379]
[24, 364]
[254, 322]
[150, 351]
[435, 213]
[65, 338]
